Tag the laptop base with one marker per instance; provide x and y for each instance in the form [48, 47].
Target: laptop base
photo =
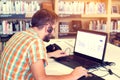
[74, 61]
[93, 77]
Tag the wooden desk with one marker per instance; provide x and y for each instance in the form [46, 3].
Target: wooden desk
[112, 55]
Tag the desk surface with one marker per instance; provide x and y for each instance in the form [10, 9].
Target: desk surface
[112, 55]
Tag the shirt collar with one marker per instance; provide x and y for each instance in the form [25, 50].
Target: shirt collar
[33, 32]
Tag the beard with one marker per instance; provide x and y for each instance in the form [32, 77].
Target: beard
[47, 38]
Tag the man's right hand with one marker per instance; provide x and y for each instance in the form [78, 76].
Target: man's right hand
[79, 72]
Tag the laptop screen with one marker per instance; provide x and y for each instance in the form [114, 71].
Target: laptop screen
[91, 43]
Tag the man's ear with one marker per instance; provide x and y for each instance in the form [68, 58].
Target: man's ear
[50, 29]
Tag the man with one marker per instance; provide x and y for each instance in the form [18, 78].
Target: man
[24, 56]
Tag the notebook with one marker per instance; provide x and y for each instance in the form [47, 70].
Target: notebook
[89, 50]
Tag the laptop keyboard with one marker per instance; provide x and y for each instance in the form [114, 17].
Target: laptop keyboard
[68, 61]
[93, 77]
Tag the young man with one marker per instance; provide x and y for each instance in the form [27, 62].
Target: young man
[24, 56]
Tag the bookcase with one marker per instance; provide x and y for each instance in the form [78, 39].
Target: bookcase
[15, 16]
[103, 15]
[100, 15]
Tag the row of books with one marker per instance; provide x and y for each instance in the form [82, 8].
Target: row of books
[63, 27]
[73, 26]
[81, 7]
[115, 26]
[10, 27]
[18, 7]
[97, 25]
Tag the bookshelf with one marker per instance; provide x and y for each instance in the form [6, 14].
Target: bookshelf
[15, 16]
[93, 13]
[85, 16]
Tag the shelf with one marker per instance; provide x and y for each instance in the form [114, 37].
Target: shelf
[67, 32]
[94, 15]
[69, 16]
[67, 35]
[115, 15]
[19, 16]
[84, 16]
[3, 16]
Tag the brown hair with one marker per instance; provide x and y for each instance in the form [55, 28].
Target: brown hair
[43, 16]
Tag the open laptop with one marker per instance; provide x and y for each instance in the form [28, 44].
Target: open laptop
[89, 50]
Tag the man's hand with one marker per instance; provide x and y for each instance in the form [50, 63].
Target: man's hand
[57, 53]
[79, 72]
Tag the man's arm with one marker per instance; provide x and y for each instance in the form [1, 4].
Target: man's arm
[39, 73]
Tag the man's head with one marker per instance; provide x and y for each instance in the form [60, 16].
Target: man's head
[44, 19]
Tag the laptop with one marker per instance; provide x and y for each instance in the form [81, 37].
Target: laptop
[89, 50]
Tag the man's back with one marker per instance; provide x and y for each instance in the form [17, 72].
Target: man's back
[17, 56]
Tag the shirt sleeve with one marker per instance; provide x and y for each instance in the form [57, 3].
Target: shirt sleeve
[37, 51]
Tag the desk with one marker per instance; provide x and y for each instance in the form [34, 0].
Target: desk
[112, 55]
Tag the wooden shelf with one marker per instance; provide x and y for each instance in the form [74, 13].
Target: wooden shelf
[67, 32]
[67, 35]
[115, 16]
[94, 15]
[69, 16]
[84, 16]
[106, 17]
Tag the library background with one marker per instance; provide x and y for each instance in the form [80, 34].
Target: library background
[98, 15]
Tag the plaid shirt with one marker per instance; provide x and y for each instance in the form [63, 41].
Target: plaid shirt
[22, 50]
